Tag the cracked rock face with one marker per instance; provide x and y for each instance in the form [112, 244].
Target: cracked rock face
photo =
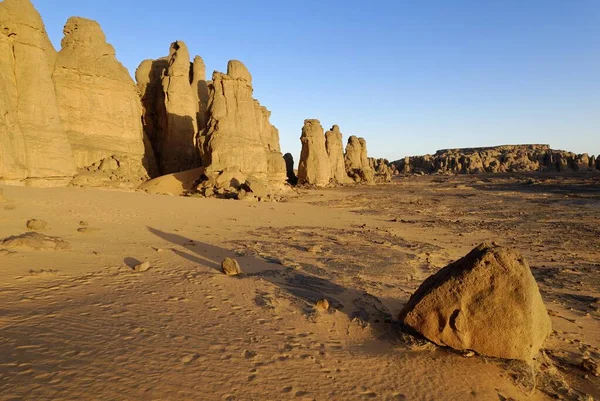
[34, 148]
[98, 101]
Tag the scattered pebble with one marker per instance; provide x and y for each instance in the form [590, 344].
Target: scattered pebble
[142, 267]
[37, 225]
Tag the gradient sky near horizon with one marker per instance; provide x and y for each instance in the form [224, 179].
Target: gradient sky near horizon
[410, 76]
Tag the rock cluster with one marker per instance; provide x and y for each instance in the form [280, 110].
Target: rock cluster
[497, 159]
[215, 124]
[323, 161]
[63, 111]
[487, 302]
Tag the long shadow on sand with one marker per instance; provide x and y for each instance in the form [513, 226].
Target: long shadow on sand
[306, 288]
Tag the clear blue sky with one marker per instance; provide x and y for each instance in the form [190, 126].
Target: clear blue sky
[411, 76]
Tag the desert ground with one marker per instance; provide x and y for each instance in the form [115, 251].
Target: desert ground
[78, 323]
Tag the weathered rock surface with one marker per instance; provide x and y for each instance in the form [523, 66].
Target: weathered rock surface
[314, 166]
[239, 136]
[34, 149]
[357, 162]
[335, 151]
[487, 302]
[496, 159]
[98, 101]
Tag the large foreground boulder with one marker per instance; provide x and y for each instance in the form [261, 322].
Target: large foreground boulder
[487, 302]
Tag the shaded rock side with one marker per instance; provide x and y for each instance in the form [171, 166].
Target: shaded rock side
[289, 168]
[178, 147]
[335, 151]
[34, 149]
[314, 166]
[239, 135]
[98, 101]
[487, 302]
[357, 162]
[174, 95]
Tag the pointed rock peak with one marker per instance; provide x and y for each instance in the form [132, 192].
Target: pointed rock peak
[199, 69]
[179, 59]
[83, 32]
[335, 129]
[237, 70]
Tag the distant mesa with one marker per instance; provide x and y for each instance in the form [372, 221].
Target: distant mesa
[497, 159]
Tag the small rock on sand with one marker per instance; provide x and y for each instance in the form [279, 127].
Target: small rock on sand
[35, 241]
[142, 267]
[231, 267]
[322, 305]
[37, 225]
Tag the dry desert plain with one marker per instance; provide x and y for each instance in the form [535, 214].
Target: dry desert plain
[80, 324]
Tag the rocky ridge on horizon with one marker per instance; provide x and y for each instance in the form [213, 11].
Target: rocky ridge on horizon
[498, 159]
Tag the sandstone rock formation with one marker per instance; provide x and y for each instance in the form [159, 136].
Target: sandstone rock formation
[66, 112]
[487, 302]
[98, 101]
[357, 162]
[239, 137]
[34, 149]
[174, 96]
[335, 151]
[314, 166]
[497, 159]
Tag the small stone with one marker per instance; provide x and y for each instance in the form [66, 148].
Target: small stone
[314, 249]
[322, 304]
[83, 223]
[231, 267]
[591, 366]
[189, 358]
[468, 354]
[37, 225]
[142, 267]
